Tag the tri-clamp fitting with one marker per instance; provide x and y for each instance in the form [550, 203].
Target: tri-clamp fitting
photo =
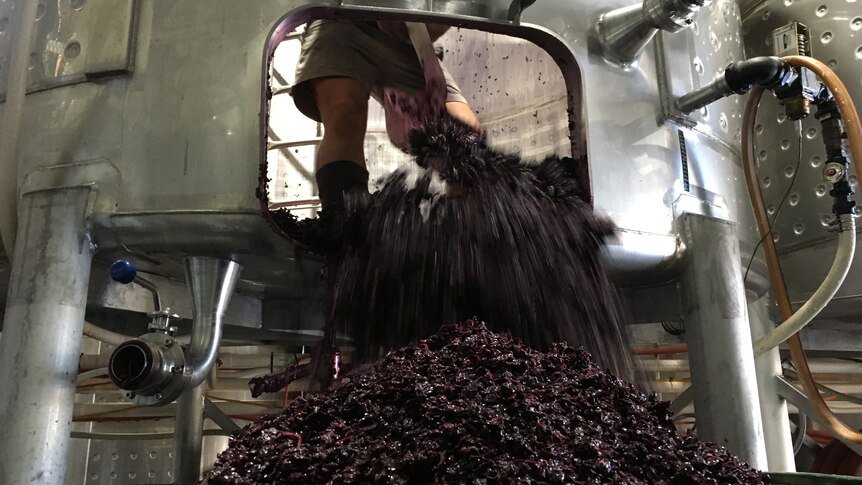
[154, 369]
[836, 170]
[625, 32]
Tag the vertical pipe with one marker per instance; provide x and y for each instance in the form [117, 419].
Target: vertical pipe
[773, 407]
[188, 436]
[719, 340]
[21, 33]
[211, 282]
[41, 338]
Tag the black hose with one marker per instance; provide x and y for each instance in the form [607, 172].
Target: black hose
[765, 71]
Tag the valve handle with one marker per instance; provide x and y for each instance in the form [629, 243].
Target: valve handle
[123, 271]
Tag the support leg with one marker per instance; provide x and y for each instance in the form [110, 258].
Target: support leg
[773, 407]
[719, 340]
[188, 437]
[42, 335]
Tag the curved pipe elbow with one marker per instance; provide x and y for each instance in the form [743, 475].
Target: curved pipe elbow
[211, 282]
[766, 71]
[155, 369]
[643, 259]
[200, 361]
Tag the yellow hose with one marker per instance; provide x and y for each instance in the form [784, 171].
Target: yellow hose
[854, 133]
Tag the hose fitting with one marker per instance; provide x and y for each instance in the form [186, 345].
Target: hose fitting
[837, 167]
[738, 78]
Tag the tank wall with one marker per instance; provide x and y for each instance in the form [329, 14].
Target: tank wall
[183, 126]
[688, 61]
[520, 96]
[801, 228]
[516, 89]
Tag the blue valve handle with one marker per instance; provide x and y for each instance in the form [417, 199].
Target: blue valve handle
[123, 271]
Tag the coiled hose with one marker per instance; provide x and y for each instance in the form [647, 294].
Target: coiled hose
[854, 133]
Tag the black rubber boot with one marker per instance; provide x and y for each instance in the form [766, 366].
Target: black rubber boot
[336, 178]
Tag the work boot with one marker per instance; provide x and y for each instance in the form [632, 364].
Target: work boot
[336, 178]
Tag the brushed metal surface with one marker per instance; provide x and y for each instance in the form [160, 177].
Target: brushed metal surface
[74, 40]
[801, 229]
[185, 130]
[523, 90]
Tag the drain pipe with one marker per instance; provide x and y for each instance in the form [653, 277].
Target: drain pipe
[211, 282]
[13, 112]
[625, 32]
[188, 439]
[155, 369]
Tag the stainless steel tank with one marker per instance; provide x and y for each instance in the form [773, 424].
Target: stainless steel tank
[806, 247]
[165, 101]
[161, 105]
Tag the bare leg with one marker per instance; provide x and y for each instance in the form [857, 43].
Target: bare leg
[343, 106]
[462, 112]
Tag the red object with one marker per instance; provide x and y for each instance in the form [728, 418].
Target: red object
[668, 349]
[835, 458]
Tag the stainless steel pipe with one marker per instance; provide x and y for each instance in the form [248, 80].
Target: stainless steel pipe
[41, 337]
[773, 407]
[155, 369]
[211, 282]
[22, 27]
[188, 436]
[721, 358]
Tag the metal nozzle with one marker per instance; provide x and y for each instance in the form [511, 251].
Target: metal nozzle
[625, 32]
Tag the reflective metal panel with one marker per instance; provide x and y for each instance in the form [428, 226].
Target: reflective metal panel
[74, 40]
[136, 461]
[184, 129]
[801, 228]
[630, 138]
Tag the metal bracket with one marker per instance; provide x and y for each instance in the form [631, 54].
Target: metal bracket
[100, 175]
[680, 402]
[798, 398]
[219, 417]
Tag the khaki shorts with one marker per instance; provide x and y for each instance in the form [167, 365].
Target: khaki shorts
[361, 51]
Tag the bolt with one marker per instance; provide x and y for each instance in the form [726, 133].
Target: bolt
[159, 397]
[168, 342]
[129, 395]
[177, 369]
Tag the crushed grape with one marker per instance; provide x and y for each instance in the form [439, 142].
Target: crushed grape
[467, 405]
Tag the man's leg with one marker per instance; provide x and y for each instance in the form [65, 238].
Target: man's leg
[340, 163]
